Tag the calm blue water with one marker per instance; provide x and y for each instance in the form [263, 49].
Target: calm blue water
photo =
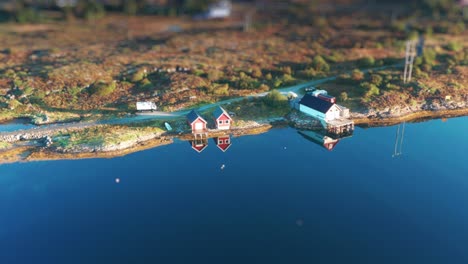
[15, 125]
[270, 204]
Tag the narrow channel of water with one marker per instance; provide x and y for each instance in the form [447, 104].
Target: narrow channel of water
[16, 125]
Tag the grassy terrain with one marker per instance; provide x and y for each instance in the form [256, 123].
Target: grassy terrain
[4, 145]
[103, 136]
[272, 105]
[66, 70]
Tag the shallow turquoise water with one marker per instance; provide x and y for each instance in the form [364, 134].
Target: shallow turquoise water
[16, 125]
[279, 199]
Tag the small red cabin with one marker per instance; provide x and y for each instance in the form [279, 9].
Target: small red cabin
[222, 119]
[223, 142]
[196, 122]
[327, 98]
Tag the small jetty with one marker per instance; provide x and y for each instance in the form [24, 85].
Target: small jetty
[340, 126]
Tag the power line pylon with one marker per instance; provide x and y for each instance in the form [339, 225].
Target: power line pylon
[410, 54]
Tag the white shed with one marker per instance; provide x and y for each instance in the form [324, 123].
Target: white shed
[146, 106]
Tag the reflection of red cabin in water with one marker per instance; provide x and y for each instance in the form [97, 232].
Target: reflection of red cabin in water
[222, 119]
[196, 122]
[330, 144]
[223, 142]
[199, 145]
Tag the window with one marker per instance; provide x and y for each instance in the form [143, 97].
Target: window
[220, 141]
[220, 122]
[226, 141]
[227, 121]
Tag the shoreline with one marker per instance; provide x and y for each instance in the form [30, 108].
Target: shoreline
[32, 152]
[22, 153]
[421, 115]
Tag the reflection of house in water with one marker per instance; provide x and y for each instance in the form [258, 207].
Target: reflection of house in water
[223, 142]
[199, 144]
[320, 139]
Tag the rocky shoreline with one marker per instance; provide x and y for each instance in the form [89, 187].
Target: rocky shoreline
[43, 148]
[397, 114]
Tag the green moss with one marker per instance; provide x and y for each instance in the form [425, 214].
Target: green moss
[102, 88]
[138, 75]
[260, 108]
[454, 46]
[4, 145]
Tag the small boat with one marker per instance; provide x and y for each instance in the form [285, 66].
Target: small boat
[168, 127]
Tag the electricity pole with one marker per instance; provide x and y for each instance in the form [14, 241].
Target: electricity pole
[409, 59]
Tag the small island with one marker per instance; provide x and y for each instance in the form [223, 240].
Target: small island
[77, 73]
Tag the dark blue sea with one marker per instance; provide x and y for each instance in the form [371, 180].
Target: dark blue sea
[279, 198]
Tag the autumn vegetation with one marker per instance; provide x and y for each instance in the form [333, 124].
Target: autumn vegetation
[72, 61]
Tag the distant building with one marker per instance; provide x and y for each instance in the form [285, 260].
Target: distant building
[317, 92]
[222, 119]
[220, 9]
[217, 10]
[146, 106]
[223, 142]
[196, 122]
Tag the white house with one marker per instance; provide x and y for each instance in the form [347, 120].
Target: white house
[344, 112]
[319, 108]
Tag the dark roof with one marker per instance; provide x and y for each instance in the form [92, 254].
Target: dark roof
[219, 111]
[193, 115]
[316, 103]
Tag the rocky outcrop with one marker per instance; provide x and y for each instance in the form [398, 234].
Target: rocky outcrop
[403, 110]
[302, 121]
[23, 135]
[107, 147]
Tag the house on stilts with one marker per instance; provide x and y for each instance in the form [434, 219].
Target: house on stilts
[333, 117]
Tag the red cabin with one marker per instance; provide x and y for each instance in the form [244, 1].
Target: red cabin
[222, 119]
[196, 122]
[223, 142]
